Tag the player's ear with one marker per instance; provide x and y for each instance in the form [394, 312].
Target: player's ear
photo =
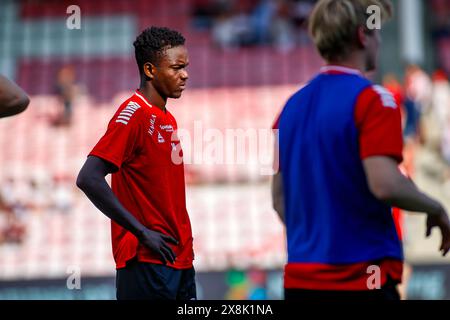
[361, 37]
[149, 70]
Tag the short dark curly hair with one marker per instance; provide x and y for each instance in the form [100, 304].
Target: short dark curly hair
[149, 46]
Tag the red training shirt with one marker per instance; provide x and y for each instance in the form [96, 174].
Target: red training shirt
[141, 142]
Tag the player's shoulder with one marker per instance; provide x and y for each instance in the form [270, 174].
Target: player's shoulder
[297, 95]
[128, 112]
[379, 95]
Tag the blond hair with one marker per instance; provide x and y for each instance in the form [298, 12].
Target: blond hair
[333, 24]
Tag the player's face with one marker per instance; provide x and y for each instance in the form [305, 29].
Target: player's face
[171, 75]
[373, 46]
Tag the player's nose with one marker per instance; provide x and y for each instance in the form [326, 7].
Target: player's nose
[184, 75]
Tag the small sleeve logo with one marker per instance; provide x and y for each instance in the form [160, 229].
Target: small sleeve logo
[126, 114]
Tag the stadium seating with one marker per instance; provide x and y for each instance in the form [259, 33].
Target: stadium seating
[233, 225]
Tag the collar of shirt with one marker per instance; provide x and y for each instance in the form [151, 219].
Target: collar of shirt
[334, 69]
[140, 96]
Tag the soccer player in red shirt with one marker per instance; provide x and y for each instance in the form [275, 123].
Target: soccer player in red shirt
[150, 227]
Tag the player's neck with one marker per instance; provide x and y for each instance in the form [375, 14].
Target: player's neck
[353, 61]
[153, 96]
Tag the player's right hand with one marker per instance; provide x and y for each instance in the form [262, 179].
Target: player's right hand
[158, 242]
[441, 221]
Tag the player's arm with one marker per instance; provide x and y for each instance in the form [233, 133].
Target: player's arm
[389, 185]
[13, 99]
[278, 195]
[277, 179]
[379, 122]
[91, 180]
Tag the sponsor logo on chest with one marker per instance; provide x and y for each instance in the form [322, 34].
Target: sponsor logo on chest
[160, 138]
[166, 127]
[151, 130]
[153, 126]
